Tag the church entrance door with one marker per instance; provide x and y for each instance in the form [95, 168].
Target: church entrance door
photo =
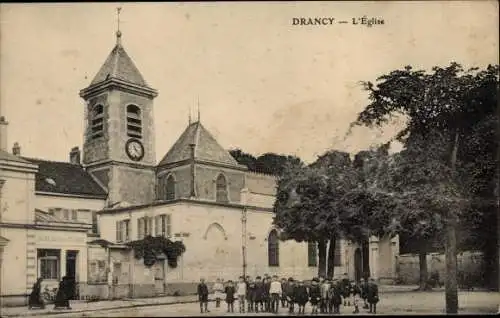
[159, 271]
[358, 264]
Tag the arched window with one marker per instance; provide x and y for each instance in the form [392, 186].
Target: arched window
[97, 122]
[312, 254]
[221, 189]
[134, 122]
[170, 188]
[273, 248]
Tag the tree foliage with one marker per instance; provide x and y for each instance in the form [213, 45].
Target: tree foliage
[268, 163]
[152, 248]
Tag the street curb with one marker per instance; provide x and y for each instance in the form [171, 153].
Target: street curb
[62, 312]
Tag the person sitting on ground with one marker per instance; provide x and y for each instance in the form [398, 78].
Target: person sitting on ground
[230, 292]
[35, 300]
[373, 295]
[203, 295]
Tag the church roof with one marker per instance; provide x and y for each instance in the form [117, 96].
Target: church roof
[120, 66]
[4, 155]
[65, 178]
[206, 147]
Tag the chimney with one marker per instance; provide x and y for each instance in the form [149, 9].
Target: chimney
[16, 150]
[74, 156]
[3, 134]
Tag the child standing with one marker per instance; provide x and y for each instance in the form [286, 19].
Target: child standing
[364, 292]
[259, 294]
[301, 296]
[230, 291]
[346, 289]
[325, 287]
[267, 297]
[283, 294]
[335, 297]
[251, 289]
[275, 292]
[241, 291]
[372, 295]
[203, 295]
[218, 290]
[355, 293]
[290, 286]
[315, 295]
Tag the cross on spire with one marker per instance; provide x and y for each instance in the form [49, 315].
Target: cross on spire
[118, 32]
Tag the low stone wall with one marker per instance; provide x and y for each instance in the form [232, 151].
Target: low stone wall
[469, 266]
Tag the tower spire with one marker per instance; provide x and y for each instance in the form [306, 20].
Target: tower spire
[198, 108]
[118, 32]
[189, 116]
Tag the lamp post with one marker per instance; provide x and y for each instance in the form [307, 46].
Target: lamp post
[244, 239]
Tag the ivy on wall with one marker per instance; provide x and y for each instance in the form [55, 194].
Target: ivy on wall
[151, 248]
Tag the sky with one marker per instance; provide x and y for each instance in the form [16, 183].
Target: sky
[263, 84]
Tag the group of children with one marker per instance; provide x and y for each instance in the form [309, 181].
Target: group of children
[264, 294]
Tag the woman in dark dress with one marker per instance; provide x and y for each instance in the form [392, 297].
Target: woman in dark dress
[62, 296]
[35, 299]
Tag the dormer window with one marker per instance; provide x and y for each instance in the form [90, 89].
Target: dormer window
[97, 124]
[134, 122]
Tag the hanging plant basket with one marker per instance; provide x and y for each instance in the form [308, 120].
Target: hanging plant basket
[151, 249]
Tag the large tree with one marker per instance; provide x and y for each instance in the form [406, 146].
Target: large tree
[445, 108]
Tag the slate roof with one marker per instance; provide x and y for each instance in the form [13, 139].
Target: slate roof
[119, 65]
[206, 147]
[4, 155]
[65, 178]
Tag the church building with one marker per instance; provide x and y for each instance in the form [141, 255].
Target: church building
[117, 193]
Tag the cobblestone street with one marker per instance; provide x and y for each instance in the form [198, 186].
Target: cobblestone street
[393, 303]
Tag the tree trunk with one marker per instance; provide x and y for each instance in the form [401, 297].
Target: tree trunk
[451, 290]
[424, 272]
[331, 258]
[322, 258]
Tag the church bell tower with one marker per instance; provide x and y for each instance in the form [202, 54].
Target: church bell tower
[119, 146]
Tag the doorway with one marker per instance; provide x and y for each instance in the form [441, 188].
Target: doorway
[71, 264]
[358, 265]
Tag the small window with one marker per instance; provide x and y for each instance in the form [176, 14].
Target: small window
[312, 254]
[221, 189]
[123, 231]
[163, 225]
[170, 188]
[74, 215]
[134, 122]
[95, 229]
[49, 263]
[97, 122]
[273, 249]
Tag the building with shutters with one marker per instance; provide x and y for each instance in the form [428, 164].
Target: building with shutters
[117, 193]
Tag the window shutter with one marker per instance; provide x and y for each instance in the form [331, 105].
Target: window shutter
[158, 225]
[140, 228]
[127, 230]
[168, 221]
[117, 230]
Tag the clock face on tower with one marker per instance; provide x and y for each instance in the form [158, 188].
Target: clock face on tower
[134, 149]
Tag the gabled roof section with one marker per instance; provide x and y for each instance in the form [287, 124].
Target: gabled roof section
[120, 66]
[206, 147]
[65, 178]
[4, 155]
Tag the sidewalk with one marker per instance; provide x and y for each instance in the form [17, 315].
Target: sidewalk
[84, 306]
[79, 306]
